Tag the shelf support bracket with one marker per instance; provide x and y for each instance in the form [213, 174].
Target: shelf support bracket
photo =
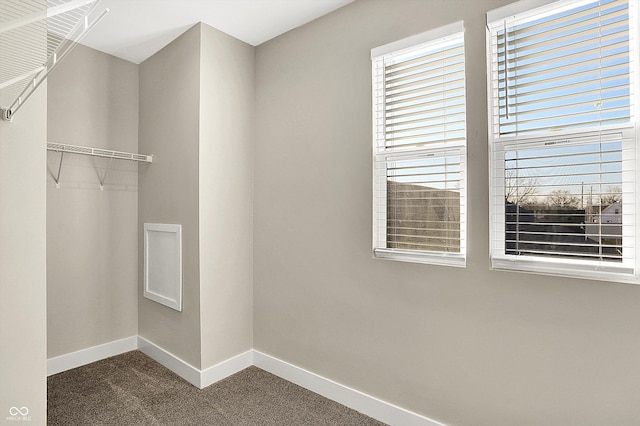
[104, 176]
[56, 179]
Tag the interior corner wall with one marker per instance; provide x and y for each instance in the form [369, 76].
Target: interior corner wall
[227, 99]
[465, 346]
[168, 189]
[23, 304]
[92, 238]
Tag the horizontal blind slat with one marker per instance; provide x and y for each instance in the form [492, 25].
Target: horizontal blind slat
[563, 80]
[437, 90]
[429, 103]
[611, 54]
[429, 80]
[392, 65]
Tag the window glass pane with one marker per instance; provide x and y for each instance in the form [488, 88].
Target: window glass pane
[423, 204]
[565, 201]
[565, 71]
[424, 97]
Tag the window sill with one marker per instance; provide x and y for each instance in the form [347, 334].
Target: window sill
[602, 271]
[431, 258]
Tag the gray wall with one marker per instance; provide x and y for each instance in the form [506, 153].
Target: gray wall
[464, 346]
[169, 188]
[23, 304]
[92, 238]
[226, 195]
[197, 118]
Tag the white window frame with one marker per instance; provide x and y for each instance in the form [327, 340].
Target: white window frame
[382, 156]
[628, 269]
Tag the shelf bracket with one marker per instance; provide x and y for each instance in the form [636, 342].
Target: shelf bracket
[56, 179]
[102, 178]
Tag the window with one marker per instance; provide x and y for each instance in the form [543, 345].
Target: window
[419, 148]
[563, 90]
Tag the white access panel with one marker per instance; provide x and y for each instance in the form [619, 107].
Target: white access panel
[163, 264]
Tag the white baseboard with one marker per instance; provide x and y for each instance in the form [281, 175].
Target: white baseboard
[359, 401]
[226, 368]
[87, 356]
[195, 376]
[182, 368]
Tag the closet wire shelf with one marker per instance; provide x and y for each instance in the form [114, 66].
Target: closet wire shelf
[95, 152]
[99, 152]
[35, 35]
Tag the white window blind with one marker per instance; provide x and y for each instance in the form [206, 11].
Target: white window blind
[419, 148]
[563, 71]
[563, 93]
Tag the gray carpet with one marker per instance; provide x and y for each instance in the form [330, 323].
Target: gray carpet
[133, 389]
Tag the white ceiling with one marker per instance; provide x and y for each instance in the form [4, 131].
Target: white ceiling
[136, 29]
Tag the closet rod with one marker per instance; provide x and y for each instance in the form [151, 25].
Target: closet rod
[98, 152]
